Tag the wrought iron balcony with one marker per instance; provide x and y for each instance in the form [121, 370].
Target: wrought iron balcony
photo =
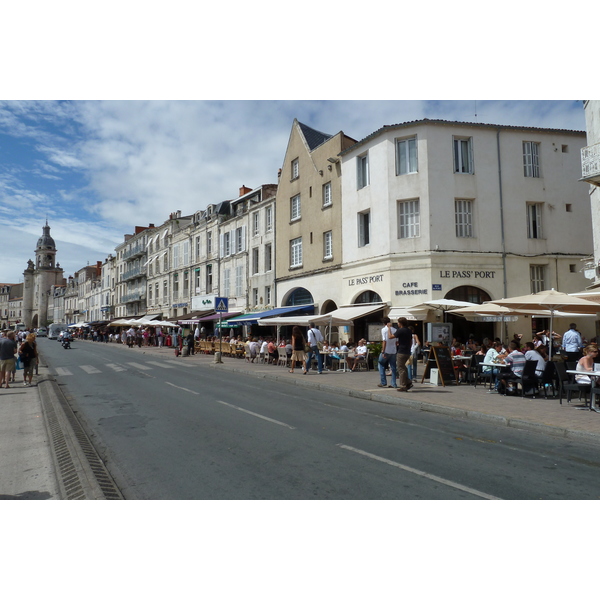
[590, 164]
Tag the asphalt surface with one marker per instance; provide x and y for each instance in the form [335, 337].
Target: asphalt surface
[317, 426]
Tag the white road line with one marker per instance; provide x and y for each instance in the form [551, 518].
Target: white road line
[182, 388]
[180, 363]
[138, 366]
[116, 368]
[256, 415]
[89, 369]
[447, 482]
[62, 371]
[159, 364]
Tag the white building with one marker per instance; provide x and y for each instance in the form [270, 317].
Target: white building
[467, 211]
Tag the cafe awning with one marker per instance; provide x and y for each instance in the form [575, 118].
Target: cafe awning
[418, 314]
[250, 319]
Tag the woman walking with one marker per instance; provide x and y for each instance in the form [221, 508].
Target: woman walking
[28, 355]
[298, 344]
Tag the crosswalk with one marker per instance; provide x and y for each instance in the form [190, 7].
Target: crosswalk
[118, 368]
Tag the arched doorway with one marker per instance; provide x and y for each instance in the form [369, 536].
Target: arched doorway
[298, 297]
[461, 328]
[327, 307]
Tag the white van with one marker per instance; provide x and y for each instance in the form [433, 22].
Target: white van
[55, 329]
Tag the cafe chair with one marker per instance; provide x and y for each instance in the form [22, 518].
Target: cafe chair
[566, 385]
[548, 381]
[529, 380]
[481, 375]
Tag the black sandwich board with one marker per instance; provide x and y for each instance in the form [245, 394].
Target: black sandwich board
[440, 357]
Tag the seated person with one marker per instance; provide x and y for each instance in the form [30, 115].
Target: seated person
[532, 354]
[272, 350]
[586, 363]
[360, 353]
[516, 361]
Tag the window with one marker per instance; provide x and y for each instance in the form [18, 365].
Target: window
[295, 169]
[227, 282]
[240, 239]
[463, 155]
[186, 283]
[327, 194]
[239, 280]
[268, 295]
[362, 171]
[364, 228]
[327, 245]
[531, 159]
[165, 291]
[296, 252]
[209, 278]
[255, 296]
[409, 219]
[463, 217]
[166, 262]
[295, 208]
[197, 247]
[537, 276]
[225, 249]
[268, 257]
[156, 290]
[255, 224]
[209, 243]
[534, 221]
[406, 156]
[197, 280]
[186, 253]
[269, 218]
[176, 256]
[254, 261]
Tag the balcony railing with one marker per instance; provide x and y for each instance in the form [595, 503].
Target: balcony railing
[133, 297]
[135, 272]
[590, 164]
[136, 250]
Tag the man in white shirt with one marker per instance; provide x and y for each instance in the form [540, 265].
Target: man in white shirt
[532, 354]
[388, 353]
[572, 343]
[314, 338]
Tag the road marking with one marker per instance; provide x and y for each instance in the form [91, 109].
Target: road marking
[138, 366]
[116, 368]
[180, 363]
[62, 371]
[89, 369]
[256, 415]
[159, 364]
[182, 388]
[447, 482]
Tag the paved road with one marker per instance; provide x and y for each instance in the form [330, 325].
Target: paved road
[170, 428]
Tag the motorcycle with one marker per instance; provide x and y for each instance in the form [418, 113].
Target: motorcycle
[66, 343]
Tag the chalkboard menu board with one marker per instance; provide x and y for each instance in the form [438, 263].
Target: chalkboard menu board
[440, 357]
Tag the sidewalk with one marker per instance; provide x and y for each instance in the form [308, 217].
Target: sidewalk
[27, 464]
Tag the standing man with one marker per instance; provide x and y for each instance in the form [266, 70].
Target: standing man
[314, 338]
[403, 336]
[388, 353]
[8, 349]
[572, 343]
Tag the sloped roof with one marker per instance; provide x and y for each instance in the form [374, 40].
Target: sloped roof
[313, 137]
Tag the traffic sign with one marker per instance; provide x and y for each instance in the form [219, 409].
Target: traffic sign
[221, 304]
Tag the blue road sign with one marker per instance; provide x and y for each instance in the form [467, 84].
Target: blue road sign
[221, 304]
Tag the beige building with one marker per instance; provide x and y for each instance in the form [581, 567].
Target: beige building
[309, 219]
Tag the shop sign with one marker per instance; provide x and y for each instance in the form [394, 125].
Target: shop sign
[411, 288]
[366, 280]
[467, 274]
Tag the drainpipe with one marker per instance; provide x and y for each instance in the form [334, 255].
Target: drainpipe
[503, 240]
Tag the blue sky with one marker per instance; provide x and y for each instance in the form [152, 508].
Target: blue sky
[96, 169]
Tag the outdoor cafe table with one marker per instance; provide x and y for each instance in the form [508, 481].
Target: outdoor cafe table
[466, 360]
[594, 374]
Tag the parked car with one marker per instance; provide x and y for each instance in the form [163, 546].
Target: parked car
[41, 332]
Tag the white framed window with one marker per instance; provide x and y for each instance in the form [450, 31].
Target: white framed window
[268, 295]
[198, 247]
[295, 208]
[537, 274]
[296, 252]
[409, 219]
[269, 218]
[225, 243]
[327, 194]
[364, 228]
[362, 171]
[255, 261]
[197, 280]
[240, 239]
[165, 291]
[239, 280]
[186, 253]
[463, 218]
[255, 223]
[255, 296]
[268, 257]
[209, 243]
[534, 221]
[176, 256]
[406, 156]
[531, 159]
[209, 278]
[295, 169]
[186, 282]
[156, 290]
[327, 245]
[463, 155]
[166, 262]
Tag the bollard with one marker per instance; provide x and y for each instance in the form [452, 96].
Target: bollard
[218, 358]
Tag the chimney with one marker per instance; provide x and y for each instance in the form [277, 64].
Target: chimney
[244, 190]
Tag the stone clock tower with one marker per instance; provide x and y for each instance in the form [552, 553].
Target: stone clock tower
[38, 278]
